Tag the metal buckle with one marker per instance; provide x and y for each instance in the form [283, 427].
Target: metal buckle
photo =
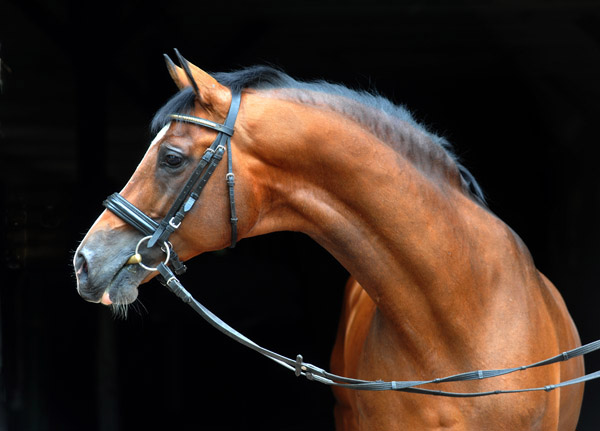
[173, 225]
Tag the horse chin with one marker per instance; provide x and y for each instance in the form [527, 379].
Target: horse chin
[123, 288]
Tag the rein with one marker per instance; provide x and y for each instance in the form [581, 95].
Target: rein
[311, 372]
[159, 232]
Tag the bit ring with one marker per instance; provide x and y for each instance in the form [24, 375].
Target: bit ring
[166, 249]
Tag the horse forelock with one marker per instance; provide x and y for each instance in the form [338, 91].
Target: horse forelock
[180, 103]
[396, 127]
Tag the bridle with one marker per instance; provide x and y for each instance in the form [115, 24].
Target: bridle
[159, 232]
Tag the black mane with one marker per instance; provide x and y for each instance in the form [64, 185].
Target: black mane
[256, 77]
[268, 78]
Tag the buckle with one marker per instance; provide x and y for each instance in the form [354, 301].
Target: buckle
[172, 223]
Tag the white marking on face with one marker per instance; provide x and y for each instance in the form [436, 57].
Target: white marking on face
[160, 134]
[155, 141]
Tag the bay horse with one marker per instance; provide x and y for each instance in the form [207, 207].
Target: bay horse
[439, 284]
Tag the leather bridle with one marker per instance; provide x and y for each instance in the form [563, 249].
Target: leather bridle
[159, 232]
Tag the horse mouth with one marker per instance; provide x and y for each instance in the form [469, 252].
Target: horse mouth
[97, 283]
[123, 288]
[104, 272]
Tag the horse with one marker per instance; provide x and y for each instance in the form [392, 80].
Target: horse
[439, 284]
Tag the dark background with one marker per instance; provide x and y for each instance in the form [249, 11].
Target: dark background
[514, 85]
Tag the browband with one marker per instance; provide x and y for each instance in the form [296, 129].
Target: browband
[194, 186]
[203, 122]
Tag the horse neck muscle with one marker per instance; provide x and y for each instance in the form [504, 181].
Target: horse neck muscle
[415, 242]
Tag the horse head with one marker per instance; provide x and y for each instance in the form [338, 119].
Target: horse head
[102, 261]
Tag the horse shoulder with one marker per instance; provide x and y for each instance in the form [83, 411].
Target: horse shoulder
[356, 317]
[568, 338]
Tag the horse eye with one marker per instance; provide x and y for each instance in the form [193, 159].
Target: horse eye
[173, 160]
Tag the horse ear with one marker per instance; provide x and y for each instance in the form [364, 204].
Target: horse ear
[175, 72]
[207, 89]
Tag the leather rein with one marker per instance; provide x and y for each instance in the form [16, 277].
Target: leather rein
[159, 232]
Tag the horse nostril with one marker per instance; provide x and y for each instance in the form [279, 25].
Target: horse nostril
[81, 266]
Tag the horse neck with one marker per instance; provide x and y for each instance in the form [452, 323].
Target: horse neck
[411, 239]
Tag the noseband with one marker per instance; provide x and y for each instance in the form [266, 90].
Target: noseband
[160, 232]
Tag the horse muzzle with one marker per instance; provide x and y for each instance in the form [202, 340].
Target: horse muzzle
[106, 266]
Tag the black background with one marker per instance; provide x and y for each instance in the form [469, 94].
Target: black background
[515, 86]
